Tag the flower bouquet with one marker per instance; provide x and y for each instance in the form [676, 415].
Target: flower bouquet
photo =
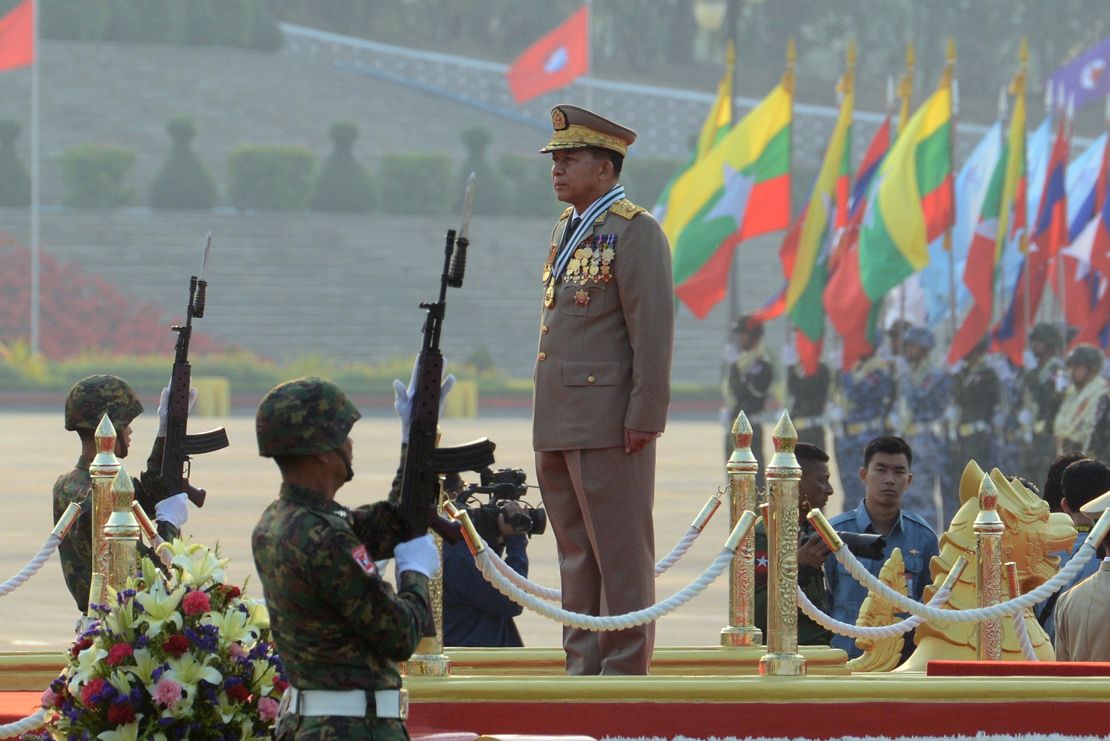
[170, 658]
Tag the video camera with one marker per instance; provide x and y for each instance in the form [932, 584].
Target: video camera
[503, 486]
[864, 545]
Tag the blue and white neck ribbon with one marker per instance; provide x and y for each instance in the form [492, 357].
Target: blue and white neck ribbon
[598, 207]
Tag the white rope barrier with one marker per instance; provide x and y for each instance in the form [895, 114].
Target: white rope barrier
[554, 595]
[593, 622]
[859, 631]
[1027, 650]
[32, 566]
[1003, 609]
[26, 725]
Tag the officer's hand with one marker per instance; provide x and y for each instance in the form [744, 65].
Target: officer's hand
[812, 552]
[635, 440]
[789, 354]
[509, 510]
[173, 509]
[419, 555]
[164, 408]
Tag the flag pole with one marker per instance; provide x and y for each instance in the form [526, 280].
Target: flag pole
[1069, 112]
[905, 92]
[35, 261]
[954, 89]
[996, 274]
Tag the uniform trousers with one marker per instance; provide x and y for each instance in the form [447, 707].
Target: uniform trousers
[599, 503]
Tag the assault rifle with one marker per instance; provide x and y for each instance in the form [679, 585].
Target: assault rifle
[423, 461]
[179, 444]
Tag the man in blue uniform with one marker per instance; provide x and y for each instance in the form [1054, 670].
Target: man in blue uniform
[866, 395]
[885, 476]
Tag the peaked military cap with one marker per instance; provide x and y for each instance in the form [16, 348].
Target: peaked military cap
[577, 128]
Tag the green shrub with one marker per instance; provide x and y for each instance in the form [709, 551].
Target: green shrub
[15, 183]
[416, 183]
[644, 179]
[270, 178]
[94, 176]
[183, 181]
[343, 184]
[529, 186]
[489, 196]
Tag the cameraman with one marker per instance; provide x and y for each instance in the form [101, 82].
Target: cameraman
[474, 612]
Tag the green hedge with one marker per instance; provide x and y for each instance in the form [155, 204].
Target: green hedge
[343, 184]
[417, 183]
[529, 186]
[183, 181]
[270, 178]
[94, 176]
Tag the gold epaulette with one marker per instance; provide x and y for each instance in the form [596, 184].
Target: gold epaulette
[626, 209]
[566, 214]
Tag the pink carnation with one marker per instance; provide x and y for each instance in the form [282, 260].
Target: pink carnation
[196, 603]
[118, 653]
[167, 692]
[237, 651]
[267, 709]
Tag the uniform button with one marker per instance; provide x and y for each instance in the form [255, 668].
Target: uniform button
[543, 356]
[544, 329]
[590, 379]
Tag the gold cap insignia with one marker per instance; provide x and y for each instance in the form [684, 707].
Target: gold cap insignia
[558, 119]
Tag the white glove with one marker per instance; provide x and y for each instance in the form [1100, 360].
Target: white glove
[724, 417]
[789, 354]
[901, 365]
[1025, 418]
[174, 510]
[731, 353]
[419, 555]
[164, 408]
[1062, 382]
[958, 366]
[1029, 360]
[835, 414]
[952, 414]
[402, 398]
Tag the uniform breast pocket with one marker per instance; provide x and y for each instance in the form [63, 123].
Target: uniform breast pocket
[593, 373]
[582, 300]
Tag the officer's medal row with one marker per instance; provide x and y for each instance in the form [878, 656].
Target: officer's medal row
[592, 262]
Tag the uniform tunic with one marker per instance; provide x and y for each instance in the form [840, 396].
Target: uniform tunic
[1081, 624]
[925, 393]
[75, 551]
[745, 387]
[1041, 399]
[976, 392]
[336, 623]
[911, 533]
[808, 397]
[867, 394]
[603, 365]
[812, 582]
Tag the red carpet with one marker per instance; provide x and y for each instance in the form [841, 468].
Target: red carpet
[18, 705]
[940, 668]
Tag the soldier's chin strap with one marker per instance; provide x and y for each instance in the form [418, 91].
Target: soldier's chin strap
[346, 462]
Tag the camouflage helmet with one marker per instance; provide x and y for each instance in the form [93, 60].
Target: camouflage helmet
[93, 397]
[1047, 334]
[1087, 355]
[304, 417]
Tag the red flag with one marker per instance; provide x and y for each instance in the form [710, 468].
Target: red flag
[17, 37]
[554, 61]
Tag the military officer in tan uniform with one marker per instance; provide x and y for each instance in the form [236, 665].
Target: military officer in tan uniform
[602, 387]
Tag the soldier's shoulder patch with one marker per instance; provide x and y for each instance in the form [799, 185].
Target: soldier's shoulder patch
[362, 558]
[626, 209]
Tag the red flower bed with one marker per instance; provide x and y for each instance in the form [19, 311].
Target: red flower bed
[79, 312]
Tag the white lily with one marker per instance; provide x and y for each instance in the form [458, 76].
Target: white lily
[187, 671]
[145, 664]
[198, 564]
[121, 619]
[234, 626]
[262, 680]
[160, 607]
[88, 662]
[121, 681]
[260, 616]
[129, 732]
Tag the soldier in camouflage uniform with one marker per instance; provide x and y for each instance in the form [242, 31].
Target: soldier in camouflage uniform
[924, 393]
[340, 628]
[87, 402]
[1040, 400]
[976, 392]
[747, 382]
[808, 396]
[866, 395]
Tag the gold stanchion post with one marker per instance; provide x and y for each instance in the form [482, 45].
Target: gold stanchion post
[102, 469]
[742, 468]
[783, 476]
[121, 532]
[988, 529]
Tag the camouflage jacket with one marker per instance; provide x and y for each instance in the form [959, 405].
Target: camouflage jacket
[336, 622]
[75, 552]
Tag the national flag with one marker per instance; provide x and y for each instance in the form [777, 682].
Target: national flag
[715, 126]
[971, 190]
[1086, 182]
[739, 189]
[849, 310]
[17, 36]
[1092, 243]
[554, 61]
[1086, 77]
[978, 273]
[1050, 230]
[911, 202]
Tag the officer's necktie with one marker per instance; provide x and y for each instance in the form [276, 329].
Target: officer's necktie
[571, 228]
